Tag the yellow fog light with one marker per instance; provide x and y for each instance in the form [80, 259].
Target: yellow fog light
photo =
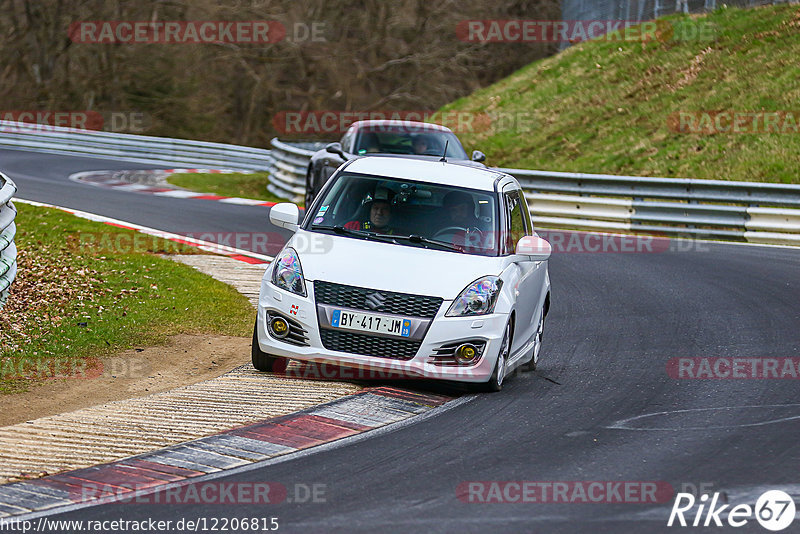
[466, 353]
[279, 327]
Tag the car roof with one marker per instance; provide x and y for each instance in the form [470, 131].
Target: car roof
[434, 172]
[414, 124]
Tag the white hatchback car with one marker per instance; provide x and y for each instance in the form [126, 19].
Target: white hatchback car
[427, 269]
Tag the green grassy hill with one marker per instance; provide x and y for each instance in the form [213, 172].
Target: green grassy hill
[607, 107]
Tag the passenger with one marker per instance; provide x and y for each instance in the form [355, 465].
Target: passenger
[380, 213]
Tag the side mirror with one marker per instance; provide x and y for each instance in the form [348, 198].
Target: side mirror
[478, 156]
[336, 148]
[285, 215]
[536, 248]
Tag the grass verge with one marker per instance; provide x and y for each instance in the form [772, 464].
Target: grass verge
[227, 185]
[87, 290]
[610, 106]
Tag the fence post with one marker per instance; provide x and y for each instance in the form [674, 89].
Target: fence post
[8, 250]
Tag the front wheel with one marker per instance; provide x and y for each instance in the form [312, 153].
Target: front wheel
[263, 361]
[495, 382]
[531, 365]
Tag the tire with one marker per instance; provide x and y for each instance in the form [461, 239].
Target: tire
[537, 349]
[263, 361]
[495, 382]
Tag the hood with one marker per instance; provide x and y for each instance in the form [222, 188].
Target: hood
[386, 266]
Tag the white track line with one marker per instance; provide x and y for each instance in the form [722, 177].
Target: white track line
[206, 245]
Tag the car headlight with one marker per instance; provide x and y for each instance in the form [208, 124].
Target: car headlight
[479, 298]
[287, 273]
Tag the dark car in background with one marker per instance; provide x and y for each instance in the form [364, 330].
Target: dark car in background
[411, 139]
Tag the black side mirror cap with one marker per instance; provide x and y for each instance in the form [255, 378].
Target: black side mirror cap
[335, 148]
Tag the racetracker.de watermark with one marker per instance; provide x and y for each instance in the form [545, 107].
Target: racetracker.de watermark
[702, 368]
[336, 122]
[577, 242]
[33, 121]
[268, 243]
[562, 242]
[320, 370]
[177, 32]
[46, 368]
[567, 492]
[734, 122]
[28, 368]
[576, 31]
[212, 492]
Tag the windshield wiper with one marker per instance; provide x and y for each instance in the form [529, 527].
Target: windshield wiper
[341, 230]
[415, 238]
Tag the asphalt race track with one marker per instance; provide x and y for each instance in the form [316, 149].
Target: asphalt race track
[43, 178]
[616, 321]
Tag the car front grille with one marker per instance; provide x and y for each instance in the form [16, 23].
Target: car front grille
[393, 303]
[364, 344]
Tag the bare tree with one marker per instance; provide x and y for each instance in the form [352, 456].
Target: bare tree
[402, 54]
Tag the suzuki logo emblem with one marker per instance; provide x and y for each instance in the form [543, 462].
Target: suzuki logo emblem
[374, 301]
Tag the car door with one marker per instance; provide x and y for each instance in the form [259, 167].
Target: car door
[530, 275]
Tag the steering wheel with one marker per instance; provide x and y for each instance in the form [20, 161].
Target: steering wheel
[450, 230]
[472, 231]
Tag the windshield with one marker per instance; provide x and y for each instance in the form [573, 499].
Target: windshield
[408, 213]
[407, 140]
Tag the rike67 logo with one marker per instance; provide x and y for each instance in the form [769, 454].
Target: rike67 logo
[774, 510]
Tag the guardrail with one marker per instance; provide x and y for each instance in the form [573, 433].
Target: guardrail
[289, 166]
[128, 147]
[712, 209]
[8, 250]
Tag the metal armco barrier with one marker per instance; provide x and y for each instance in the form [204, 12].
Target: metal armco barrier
[8, 250]
[287, 175]
[712, 209]
[288, 170]
[127, 147]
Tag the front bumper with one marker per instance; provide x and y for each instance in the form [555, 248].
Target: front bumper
[442, 330]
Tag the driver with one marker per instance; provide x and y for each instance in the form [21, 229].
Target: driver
[380, 213]
[421, 144]
[460, 210]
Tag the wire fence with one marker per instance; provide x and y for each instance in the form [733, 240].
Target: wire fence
[8, 250]
[639, 10]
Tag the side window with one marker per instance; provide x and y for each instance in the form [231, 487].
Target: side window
[526, 213]
[517, 220]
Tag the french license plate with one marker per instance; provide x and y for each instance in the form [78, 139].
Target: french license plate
[375, 324]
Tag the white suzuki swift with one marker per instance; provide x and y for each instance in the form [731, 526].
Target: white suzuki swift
[419, 268]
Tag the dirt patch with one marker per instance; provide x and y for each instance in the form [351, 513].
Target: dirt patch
[689, 74]
[184, 360]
